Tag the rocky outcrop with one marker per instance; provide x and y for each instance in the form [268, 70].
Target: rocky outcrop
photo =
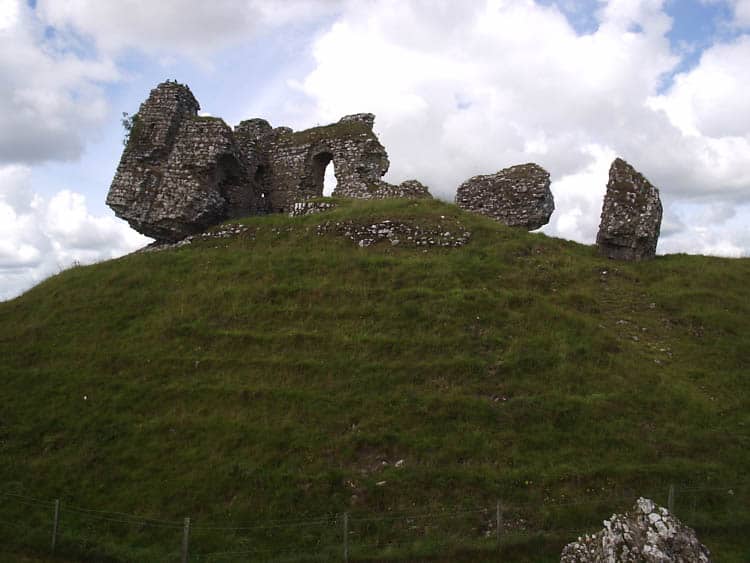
[648, 534]
[181, 173]
[631, 215]
[518, 196]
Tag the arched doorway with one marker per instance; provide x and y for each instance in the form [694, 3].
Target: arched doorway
[324, 177]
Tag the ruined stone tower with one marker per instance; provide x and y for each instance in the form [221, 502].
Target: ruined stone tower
[181, 173]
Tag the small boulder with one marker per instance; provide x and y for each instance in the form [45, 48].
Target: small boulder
[518, 196]
[631, 215]
[647, 534]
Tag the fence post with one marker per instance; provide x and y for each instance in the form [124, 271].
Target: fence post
[55, 522]
[346, 537]
[670, 499]
[499, 521]
[185, 540]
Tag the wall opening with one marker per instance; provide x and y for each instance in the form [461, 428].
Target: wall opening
[229, 181]
[324, 179]
[329, 180]
[261, 182]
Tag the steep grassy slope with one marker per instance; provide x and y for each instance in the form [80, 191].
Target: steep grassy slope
[272, 381]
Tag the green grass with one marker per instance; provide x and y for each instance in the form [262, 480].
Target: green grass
[263, 380]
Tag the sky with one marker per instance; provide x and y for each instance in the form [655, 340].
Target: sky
[458, 89]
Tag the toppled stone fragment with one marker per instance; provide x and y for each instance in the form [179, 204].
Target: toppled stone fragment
[631, 215]
[647, 534]
[518, 196]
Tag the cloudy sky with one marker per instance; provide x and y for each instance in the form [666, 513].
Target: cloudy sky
[458, 88]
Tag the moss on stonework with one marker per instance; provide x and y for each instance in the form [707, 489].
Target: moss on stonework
[138, 137]
[347, 129]
[210, 118]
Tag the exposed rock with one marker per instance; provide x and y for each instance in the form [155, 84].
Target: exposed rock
[631, 215]
[518, 196]
[223, 232]
[181, 173]
[648, 534]
[310, 208]
[450, 234]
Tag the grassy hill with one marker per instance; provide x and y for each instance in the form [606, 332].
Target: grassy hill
[266, 383]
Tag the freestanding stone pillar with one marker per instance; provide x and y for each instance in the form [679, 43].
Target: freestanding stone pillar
[631, 215]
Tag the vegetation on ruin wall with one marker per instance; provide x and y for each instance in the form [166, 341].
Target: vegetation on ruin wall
[339, 131]
[263, 379]
[130, 123]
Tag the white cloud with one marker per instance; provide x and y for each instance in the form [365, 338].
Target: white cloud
[49, 98]
[39, 237]
[185, 27]
[712, 98]
[579, 197]
[716, 229]
[500, 83]
[9, 14]
[742, 13]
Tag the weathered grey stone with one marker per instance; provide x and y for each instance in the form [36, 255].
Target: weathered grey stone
[307, 207]
[181, 173]
[518, 196]
[631, 215]
[448, 234]
[297, 160]
[646, 534]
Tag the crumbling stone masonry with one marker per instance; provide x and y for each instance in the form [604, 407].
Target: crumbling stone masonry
[518, 196]
[181, 173]
[631, 215]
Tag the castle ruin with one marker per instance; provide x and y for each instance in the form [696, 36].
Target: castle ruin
[181, 173]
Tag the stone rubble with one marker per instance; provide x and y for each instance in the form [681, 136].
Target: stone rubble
[646, 534]
[230, 230]
[302, 208]
[631, 215]
[398, 233]
[518, 196]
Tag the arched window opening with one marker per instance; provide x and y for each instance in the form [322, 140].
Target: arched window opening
[324, 176]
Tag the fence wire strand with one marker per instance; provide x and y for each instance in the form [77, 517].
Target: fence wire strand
[361, 526]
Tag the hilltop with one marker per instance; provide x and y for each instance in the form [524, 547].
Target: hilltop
[282, 374]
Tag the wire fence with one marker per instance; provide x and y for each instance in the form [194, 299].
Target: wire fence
[52, 526]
